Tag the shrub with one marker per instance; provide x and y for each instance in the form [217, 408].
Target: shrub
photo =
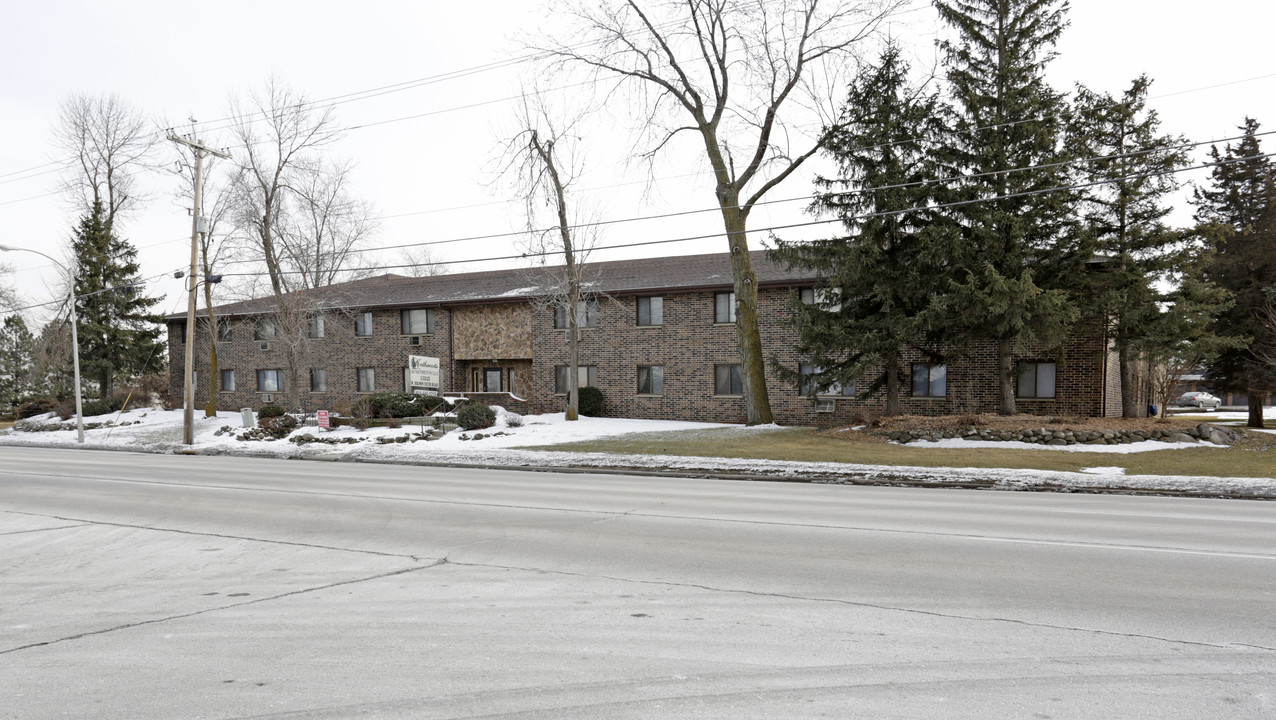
[513, 420]
[38, 406]
[590, 401]
[394, 423]
[277, 425]
[268, 411]
[475, 416]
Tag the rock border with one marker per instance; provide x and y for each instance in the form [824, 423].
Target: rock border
[1204, 432]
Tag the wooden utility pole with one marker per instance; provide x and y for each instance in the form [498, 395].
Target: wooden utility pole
[197, 226]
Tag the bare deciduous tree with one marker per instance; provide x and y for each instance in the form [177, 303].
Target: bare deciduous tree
[327, 228]
[108, 144]
[750, 78]
[421, 262]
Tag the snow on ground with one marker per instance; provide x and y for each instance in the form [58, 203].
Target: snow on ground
[1134, 447]
[153, 430]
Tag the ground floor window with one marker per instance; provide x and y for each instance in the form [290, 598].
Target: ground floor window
[651, 380]
[367, 380]
[1036, 380]
[318, 380]
[930, 380]
[808, 386]
[228, 380]
[586, 376]
[727, 380]
[270, 381]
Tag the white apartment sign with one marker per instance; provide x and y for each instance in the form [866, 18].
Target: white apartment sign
[423, 372]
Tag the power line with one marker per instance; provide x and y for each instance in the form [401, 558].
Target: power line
[865, 216]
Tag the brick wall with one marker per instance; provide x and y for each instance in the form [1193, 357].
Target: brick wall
[687, 345]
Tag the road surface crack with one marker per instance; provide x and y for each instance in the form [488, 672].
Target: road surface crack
[875, 606]
[205, 611]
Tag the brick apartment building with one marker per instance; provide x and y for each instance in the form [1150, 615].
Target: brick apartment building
[659, 342]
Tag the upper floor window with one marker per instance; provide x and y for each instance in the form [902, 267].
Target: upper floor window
[265, 330]
[316, 326]
[363, 324]
[225, 333]
[724, 307]
[727, 380]
[826, 298]
[418, 321]
[651, 310]
[1036, 380]
[586, 315]
[930, 380]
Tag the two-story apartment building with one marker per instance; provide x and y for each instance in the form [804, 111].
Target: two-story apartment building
[658, 340]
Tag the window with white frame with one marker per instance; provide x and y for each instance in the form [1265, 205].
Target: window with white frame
[417, 321]
[930, 380]
[1036, 380]
[228, 380]
[651, 380]
[586, 376]
[727, 380]
[586, 315]
[724, 307]
[367, 381]
[270, 381]
[651, 310]
[363, 324]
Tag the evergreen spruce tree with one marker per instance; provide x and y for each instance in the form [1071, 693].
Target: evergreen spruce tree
[118, 333]
[1237, 217]
[1018, 258]
[1124, 217]
[880, 277]
[17, 346]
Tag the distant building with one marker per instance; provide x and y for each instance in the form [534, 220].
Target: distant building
[660, 342]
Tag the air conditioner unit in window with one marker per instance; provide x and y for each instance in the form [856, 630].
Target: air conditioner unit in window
[414, 340]
[267, 397]
[824, 406]
[265, 345]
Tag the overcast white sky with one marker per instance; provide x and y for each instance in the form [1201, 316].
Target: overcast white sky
[431, 176]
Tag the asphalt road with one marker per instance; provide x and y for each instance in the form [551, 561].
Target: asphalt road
[148, 586]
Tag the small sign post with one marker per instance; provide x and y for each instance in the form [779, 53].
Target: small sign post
[321, 419]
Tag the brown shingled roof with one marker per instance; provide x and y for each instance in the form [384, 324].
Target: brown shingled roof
[616, 277]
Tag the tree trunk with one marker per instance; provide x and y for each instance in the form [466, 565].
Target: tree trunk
[1129, 408]
[573, 355]
[1006, 375]
[757, 402]
[1255, 407]
[892, 384]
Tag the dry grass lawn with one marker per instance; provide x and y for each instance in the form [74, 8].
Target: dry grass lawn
[1254, 456]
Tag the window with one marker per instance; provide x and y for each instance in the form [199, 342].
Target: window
[270, 381]
[1036, 380]
[228, 380]
[316, 326]
[363, 324]
[367, 380]
[727, 381]
[419, 321]
[586, 376]
[651, 380]
[829, 299]
[265, 330]
[492, 380]
[930, 380]
[586, 315]
[835, 388]
[225, 333]
[724, 307]
[651, 310]
[318, 381]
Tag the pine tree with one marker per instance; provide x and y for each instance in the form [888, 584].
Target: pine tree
[1237, 217]
[1124, 216]
[1017, 261]
[16, 348]
[118, 333]
[880, 277]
